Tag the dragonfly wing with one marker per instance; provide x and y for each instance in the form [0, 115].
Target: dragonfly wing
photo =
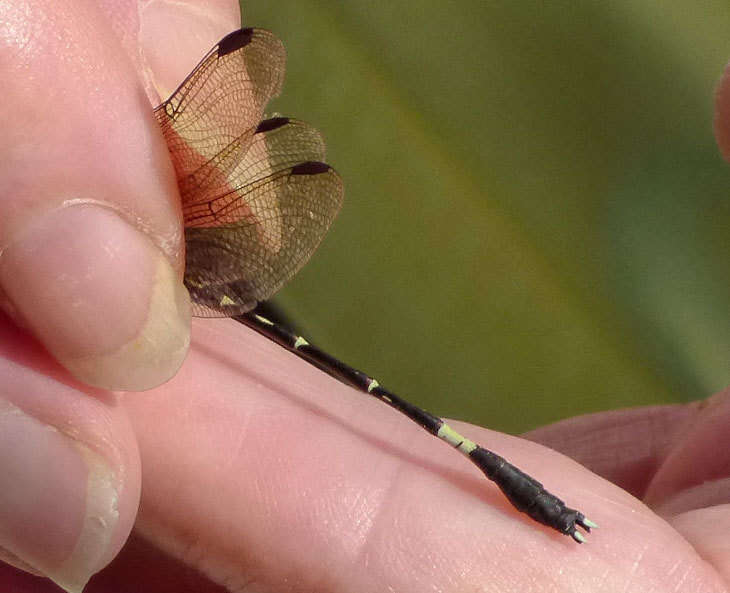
[256, 197]
[209, 120]
[280, 199]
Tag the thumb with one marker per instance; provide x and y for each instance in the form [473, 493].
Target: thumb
[90, 232]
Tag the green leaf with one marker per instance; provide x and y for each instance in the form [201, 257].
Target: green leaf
[536, 218]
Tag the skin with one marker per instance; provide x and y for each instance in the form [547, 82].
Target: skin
[262, 474]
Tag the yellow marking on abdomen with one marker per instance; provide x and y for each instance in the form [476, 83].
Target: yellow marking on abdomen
[299, 342]
[264, 320]
[453, 438]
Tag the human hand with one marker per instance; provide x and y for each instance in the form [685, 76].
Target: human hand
[252, 465]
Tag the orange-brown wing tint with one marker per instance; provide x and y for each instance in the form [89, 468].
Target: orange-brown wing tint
[256, 197]
[212, 115]
[232, 267]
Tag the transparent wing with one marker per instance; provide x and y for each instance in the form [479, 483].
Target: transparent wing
[256, 197]
[229, 268]
[247, 236]
[277, 144]
[209, 120]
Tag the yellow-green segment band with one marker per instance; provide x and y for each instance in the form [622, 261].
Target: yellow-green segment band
[453, 438]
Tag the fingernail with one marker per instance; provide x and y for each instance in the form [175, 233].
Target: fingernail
[58, 501]
[100, 295]
[158, 40]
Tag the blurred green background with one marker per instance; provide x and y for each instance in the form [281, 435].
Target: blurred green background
[536, 219]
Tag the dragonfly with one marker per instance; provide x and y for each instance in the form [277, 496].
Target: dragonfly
[257, 200]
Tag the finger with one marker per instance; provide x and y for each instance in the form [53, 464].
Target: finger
[139, 567]
[90, 241]
[674, 457]
[70, 468]
[696, 470]
[691, 489]
[265, 466]
[165, 56]
[626, 447]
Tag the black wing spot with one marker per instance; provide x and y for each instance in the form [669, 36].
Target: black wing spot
[310, 168]
[271, 124]
[234, 41]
